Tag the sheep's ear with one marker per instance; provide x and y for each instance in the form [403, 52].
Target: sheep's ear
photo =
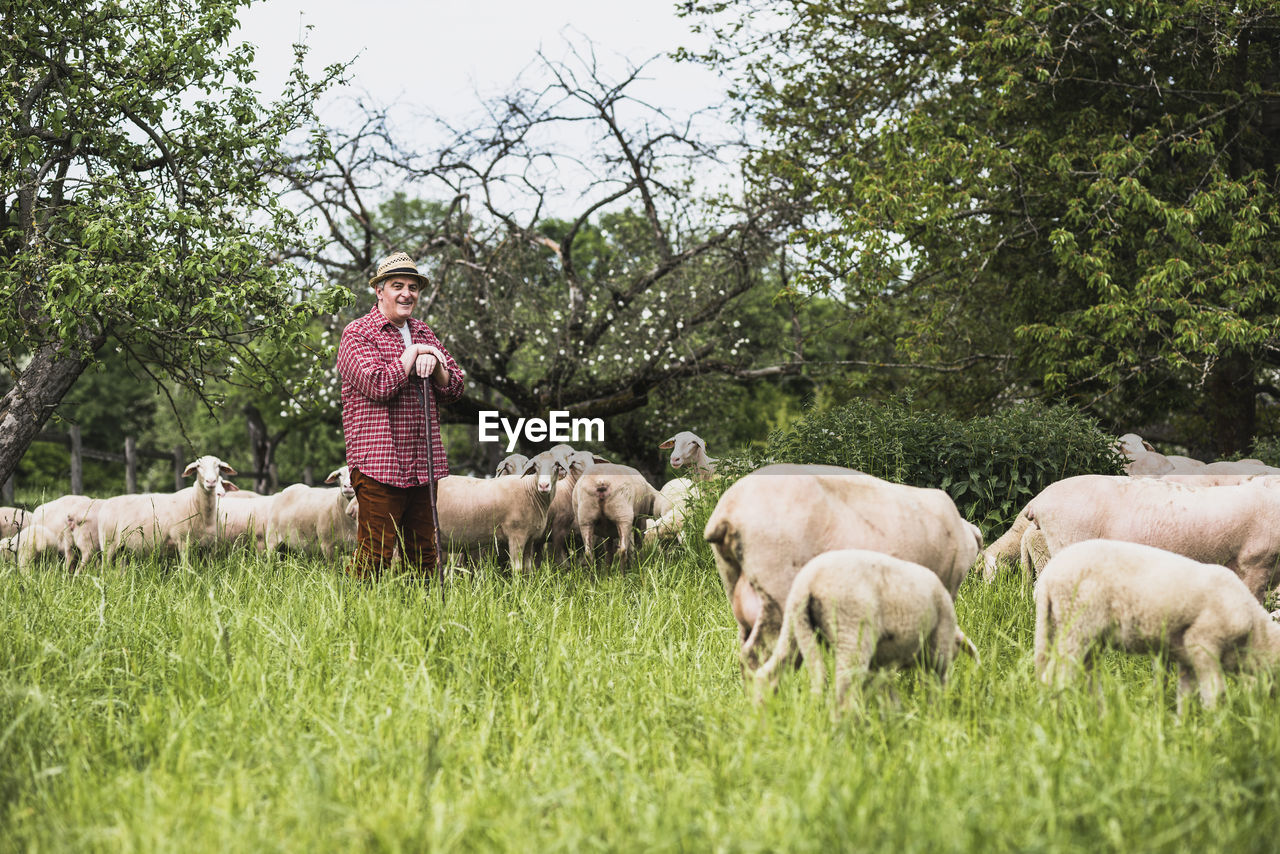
[337, 473]
[1147, 445]
[668, 445]
[190, 469]
[596, 459]
[226, 469]
[229, 486]
[529, 468]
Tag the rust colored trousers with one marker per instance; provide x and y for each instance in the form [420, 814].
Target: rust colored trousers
[391, 517]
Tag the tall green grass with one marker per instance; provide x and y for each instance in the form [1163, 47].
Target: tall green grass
[242, 704]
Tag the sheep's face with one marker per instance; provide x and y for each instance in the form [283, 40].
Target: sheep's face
[208, 471]
[342, 477]
[685, 448]
[548, 469]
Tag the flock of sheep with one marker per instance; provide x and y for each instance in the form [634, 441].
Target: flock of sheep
[1173, 562]
[1158, 559]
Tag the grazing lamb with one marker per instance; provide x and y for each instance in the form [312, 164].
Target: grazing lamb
[311, 518]
[1139, 599]
[876, 611]
[476, 511]
[1236, 526]
[618, 495]
[164, 521]
[12, 520]
[513, 464]
[773, 521]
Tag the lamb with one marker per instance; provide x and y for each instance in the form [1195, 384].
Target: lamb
[473, 511]
[309, 518]
[615, 494]
[164, 521]
[1139, 598]
[772, 522]
[513, 464]
[876, 611]
[685, 448]
[562, 518]
[12, 520]
[1236, 526]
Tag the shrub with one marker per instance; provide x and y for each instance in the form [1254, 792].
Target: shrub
[990, 465]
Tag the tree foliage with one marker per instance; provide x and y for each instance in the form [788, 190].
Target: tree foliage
[137, 204]
[1089, 189]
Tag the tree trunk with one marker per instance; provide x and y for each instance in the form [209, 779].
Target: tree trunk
[1233, 415]
[28, 405]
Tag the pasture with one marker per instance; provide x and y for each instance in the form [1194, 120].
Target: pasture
[246, 704]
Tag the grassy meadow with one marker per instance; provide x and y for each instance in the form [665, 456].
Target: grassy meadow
[246, 704]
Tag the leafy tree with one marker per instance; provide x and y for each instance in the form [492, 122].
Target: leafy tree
[1079, 198]
[137, 208]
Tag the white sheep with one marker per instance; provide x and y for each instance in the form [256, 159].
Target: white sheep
[73, 520]
[512, 464]
[12, 520]
[772, 522]
[617, 495]
[562, 516]
[311, 518]
[686, 449]
[477, 511]
[1140, 599]
[31, 543]
[152, 522]
[876, 611]
[689, 449]
[243, 514]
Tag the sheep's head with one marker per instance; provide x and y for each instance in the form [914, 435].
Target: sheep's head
[547, 468]
[342, 477]
[208, 470]
[514, 464]
[685, 447]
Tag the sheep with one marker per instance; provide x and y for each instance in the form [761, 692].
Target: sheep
[875, 610]
[1237, 526]
[562, 515]
[243, 514]
[1139, 598]
[619, 495]
[29, 544]
[12, 520]
[310, 518]
[772, 522]
[513, 464]
[73, 520]
[1008, 547]
[475, 511]
[689, 448]
[164, 521]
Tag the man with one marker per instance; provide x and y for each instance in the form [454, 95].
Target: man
[383, 358]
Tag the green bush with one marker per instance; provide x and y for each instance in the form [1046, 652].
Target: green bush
[991, 465]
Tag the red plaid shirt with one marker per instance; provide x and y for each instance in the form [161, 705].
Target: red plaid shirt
[382, 418]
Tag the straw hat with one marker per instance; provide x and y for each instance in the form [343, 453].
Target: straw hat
[397, 264]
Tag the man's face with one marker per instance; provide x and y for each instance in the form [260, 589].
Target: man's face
[397, 296]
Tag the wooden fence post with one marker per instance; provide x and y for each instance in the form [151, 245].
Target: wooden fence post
[77, 461]
[130, 465]
[177, 468]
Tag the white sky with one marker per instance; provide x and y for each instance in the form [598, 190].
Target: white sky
[434, 56]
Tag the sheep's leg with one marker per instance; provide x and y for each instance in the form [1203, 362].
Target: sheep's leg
[855, 646]
[1204, 660]
[624, 543]
[1186, 683]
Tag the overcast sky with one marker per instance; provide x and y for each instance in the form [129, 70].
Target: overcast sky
[434, 56]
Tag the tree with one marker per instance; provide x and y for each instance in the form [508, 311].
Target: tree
[1081, 195]
[137, 205]
[589, 310]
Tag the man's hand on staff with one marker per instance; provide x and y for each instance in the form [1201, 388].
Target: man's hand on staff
[425, 361]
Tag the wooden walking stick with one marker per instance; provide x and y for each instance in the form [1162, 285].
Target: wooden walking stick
[431, 486]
